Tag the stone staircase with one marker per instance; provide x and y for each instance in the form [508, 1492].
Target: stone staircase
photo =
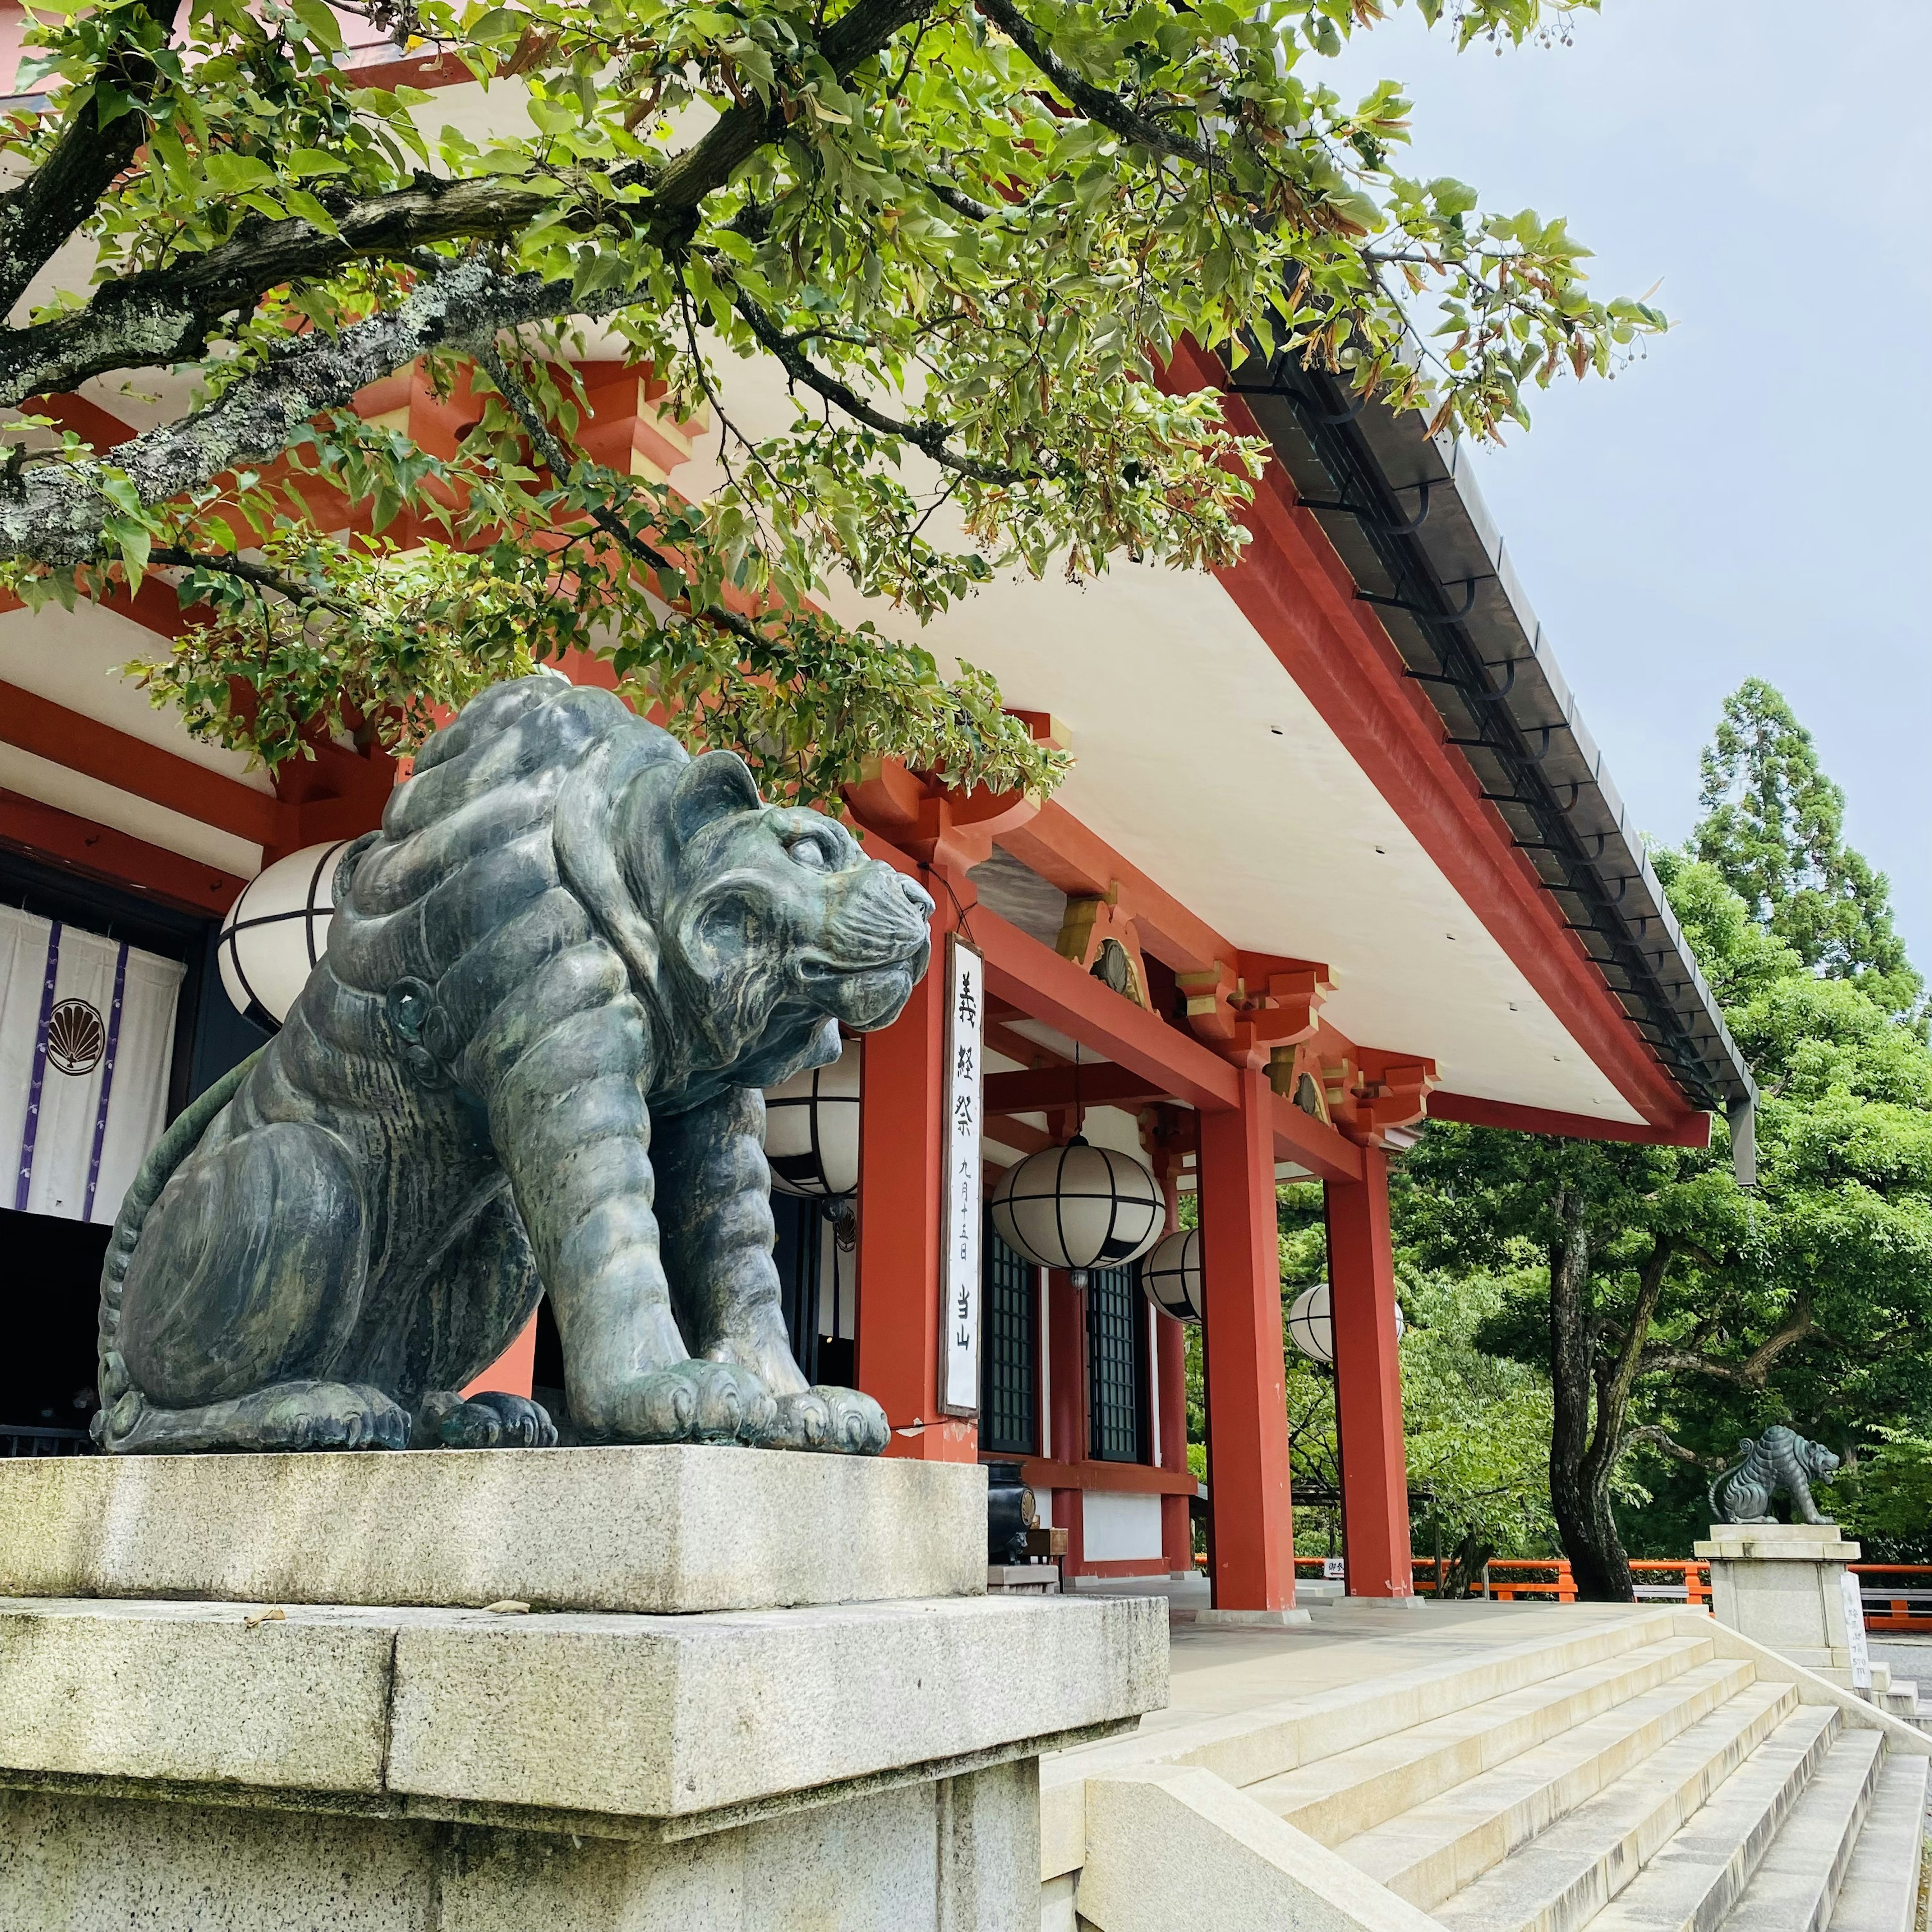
[1634, 1773]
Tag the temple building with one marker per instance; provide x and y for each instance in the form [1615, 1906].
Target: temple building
[1337, 855]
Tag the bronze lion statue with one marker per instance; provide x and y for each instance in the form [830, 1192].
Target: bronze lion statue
[1780, 1459]
[529, 1064]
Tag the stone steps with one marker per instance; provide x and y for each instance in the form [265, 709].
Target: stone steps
[1336, 1798]
[1564, 1877]
[1646, 1780]
[1797, 1881]
[1880, 1892]
[1692, 1885]
[1269, 1738]
[1436, 1849]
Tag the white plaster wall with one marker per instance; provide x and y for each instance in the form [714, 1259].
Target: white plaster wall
[1114, 1528]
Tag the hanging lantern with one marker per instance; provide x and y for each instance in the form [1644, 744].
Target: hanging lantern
[811, 1129]
[1311, 1325]
[1078, 1207]
[278, 929]
[1171, 1276]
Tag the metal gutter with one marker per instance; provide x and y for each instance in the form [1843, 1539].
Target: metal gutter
[1405, 517]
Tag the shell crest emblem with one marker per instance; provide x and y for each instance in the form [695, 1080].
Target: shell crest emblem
[76, 1037]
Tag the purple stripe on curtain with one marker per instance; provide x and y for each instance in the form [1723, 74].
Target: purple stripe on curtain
[30, 1132]
[106, 1081]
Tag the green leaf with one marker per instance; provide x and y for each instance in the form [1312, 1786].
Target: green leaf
[305, 163]
[234, 174]
[320, 23]
[299, 201]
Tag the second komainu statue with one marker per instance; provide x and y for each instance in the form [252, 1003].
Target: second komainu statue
[529, 1064]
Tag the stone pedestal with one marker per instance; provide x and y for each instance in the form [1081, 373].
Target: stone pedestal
[181, 1748]
[1784, 1585]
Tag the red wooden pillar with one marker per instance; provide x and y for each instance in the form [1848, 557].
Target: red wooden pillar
[1247, 1403]
[902, 1140]
[1368, 1383]
[1066, 1400]
[1177, 1536]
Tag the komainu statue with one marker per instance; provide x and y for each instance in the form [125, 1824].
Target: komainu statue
[1779, 1459]
[529, 1064]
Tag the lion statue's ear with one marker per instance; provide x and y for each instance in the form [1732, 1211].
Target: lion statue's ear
[713, 786]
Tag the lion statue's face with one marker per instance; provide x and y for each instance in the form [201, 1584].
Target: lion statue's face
[1818, 1461]
[775, 926]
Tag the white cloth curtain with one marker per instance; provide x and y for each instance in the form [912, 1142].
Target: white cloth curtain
[87, 1034]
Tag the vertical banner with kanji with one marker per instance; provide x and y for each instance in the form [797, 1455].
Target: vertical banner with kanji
[959, 1205]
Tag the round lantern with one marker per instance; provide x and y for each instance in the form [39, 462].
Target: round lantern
[1171, 1276]
[1078, 1207]
[278, 929]
[1312, 1327]
[811, 1129]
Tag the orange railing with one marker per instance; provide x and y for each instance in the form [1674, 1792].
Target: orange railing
[1901, 1606]
[1905, 1605]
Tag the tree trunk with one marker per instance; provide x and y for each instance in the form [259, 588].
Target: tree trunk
[1579, 1481]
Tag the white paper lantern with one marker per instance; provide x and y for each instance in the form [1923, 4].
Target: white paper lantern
[278, 929]
[1171, 1276]
[1078, 1207]
[1311, 1324]
[811, 1129]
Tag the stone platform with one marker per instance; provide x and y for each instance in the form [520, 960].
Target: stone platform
[1783, 1584]
[672, 1530]
[242, 1757]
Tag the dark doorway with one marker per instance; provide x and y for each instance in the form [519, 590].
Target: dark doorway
[50, 1299]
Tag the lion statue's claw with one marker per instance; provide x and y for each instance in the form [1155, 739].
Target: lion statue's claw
[836, 1421]
[488, 1419]
[696, 1401]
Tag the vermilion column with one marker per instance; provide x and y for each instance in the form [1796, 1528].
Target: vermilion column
[1247, 1408]
[901, 1143]
[1170, 1341]
[1368, 1383]
[510, 1373]
[1067, 1400]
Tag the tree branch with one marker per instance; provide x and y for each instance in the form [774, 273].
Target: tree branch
[1655, 1432]
[1096, 104]
[1755, 1369]
[160, 316]
[557, 459]
[54, 515]
[43, 211]
[257, 576]
[930, 438]
[1615, 1377]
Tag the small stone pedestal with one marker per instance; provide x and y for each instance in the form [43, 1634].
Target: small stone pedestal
[693, 1725]
[1784, 1585]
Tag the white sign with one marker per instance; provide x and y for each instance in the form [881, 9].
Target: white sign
[959, 1202]
[1333, 1567]
[1855, 1632]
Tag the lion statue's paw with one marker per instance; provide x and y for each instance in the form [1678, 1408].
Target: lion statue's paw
[838, 1421]
[488, 1419]
[334, 1415]
[696, 1401]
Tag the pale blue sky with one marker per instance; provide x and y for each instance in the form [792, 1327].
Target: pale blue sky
[1752, 497]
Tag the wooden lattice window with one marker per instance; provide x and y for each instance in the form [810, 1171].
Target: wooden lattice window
[1115, 1326]
[1009, 1330]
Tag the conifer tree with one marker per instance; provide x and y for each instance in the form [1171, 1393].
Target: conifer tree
[1774, 827]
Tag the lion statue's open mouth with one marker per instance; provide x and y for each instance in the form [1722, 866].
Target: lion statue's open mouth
[529, 1064]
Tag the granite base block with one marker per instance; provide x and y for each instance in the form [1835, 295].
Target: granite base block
[667, 1531]
[1783, 1586]
[233, 1752]
[936, 1856]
